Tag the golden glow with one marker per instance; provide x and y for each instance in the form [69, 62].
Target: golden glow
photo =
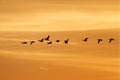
[52, 15]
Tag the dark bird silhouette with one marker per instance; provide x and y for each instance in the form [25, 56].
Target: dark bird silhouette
[49, 42]
[41, 40]
[24, 42]
[66, 41]
[31, 42]
[86, 39]
[57, 41]
[47, 38]
[99, 40]
[111, 39]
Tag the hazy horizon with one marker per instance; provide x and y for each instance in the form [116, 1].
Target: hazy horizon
[59, 61]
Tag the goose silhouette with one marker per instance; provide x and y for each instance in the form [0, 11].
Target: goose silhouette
[111, 39]
[49, 42]
[31, 42]
[66, 41]
[99, 40]
[47, 38]
[41, 40]
[85, 40]
[24, 42]
[57, 41]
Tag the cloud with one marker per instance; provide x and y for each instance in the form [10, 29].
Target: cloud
[57, 15]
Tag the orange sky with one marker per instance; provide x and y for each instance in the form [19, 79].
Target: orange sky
[52, 15]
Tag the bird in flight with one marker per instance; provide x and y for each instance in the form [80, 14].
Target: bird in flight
[86, 39]
[49, 42]
[66, 41]
[111, 39]
[41, 40]
[99, 40]
[24, 42]
[57, 41]
[31, 42]
[47, 38]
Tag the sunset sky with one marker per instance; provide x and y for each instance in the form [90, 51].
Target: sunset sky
[58, 15]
